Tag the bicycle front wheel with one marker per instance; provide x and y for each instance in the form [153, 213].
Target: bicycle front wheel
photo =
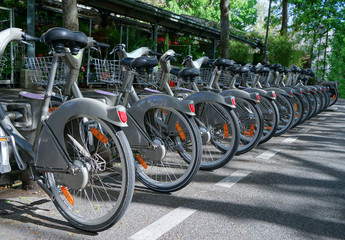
[220, 134]
[251, 124]
[98, 194]
[174, 159]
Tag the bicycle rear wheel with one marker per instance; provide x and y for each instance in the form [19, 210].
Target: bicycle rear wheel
[96, 196]
[219, 134]
[177, 156]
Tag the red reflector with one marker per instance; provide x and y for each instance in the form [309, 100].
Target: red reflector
[121, 111]
[315, 90]
[233, 101]
[191, 107]
[257, 96]
[308, 91]
[291, 93]
[301, 92]
[274, 94]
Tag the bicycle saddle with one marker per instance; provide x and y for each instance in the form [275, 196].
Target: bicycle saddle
[175, 71]
[145, 62]
[60, 38]
[263, 70]
[189, 73]
[222, 62]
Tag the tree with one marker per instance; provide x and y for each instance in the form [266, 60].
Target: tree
[283, 29]
[70, 15]
[224, 28]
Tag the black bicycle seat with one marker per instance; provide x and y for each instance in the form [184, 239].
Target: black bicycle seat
[222, 62]
[189, 73]
[144, 62]
[263, 70]
[61, 38]
[175, 71]
[244, 69]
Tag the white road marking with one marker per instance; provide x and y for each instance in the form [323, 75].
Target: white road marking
[314, 123]
[268, 154]
[233, 178]
[289, 140]
[322, 118]
[304, 130]
[163, 225]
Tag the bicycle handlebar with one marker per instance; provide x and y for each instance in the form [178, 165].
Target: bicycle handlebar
[102, 45]
[155, 53]
[27, 37]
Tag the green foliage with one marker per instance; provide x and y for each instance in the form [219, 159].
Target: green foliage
[241, 52]
[337, 60]
[283, 50]
[242, 13]
[13, 3]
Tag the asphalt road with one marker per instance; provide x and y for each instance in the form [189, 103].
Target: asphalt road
[292, 187]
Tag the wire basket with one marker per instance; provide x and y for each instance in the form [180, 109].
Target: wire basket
[39, 68]
[149, 79]
[108, 71]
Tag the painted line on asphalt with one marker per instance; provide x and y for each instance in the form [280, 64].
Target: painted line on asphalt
[304, 130]
[314, 123]
[289, 140]
[235, 177]
[322, 118]
[268, 154]
[163, 225]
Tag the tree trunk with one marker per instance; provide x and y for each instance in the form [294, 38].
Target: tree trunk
[70, 15]
[283, 29]
[224, 28]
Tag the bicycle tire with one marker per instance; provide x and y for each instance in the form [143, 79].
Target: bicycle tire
[286, 114]
[271, 117]
[220, 134]
[298, 106]
[251, 124]
[180, 136]
[104, 152]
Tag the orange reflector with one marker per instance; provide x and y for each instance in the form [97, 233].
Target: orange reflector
[68, 196]
[297, 115]
[99, 135]
[226, 130]
[3, 139]
[268, 128]
[333, 97]
[142, 162]
[296, 108]
[164, 112]
[180, 131]
[251, 131]
[52, 109]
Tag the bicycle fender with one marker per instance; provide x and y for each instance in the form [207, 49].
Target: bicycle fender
[279, 91]
[289, 90]
[240, 94]
[136, 131]
[51, 139]
[138, 109]
[258, 90]
[204, 96]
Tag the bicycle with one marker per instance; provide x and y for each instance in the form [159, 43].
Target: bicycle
[80, 156]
